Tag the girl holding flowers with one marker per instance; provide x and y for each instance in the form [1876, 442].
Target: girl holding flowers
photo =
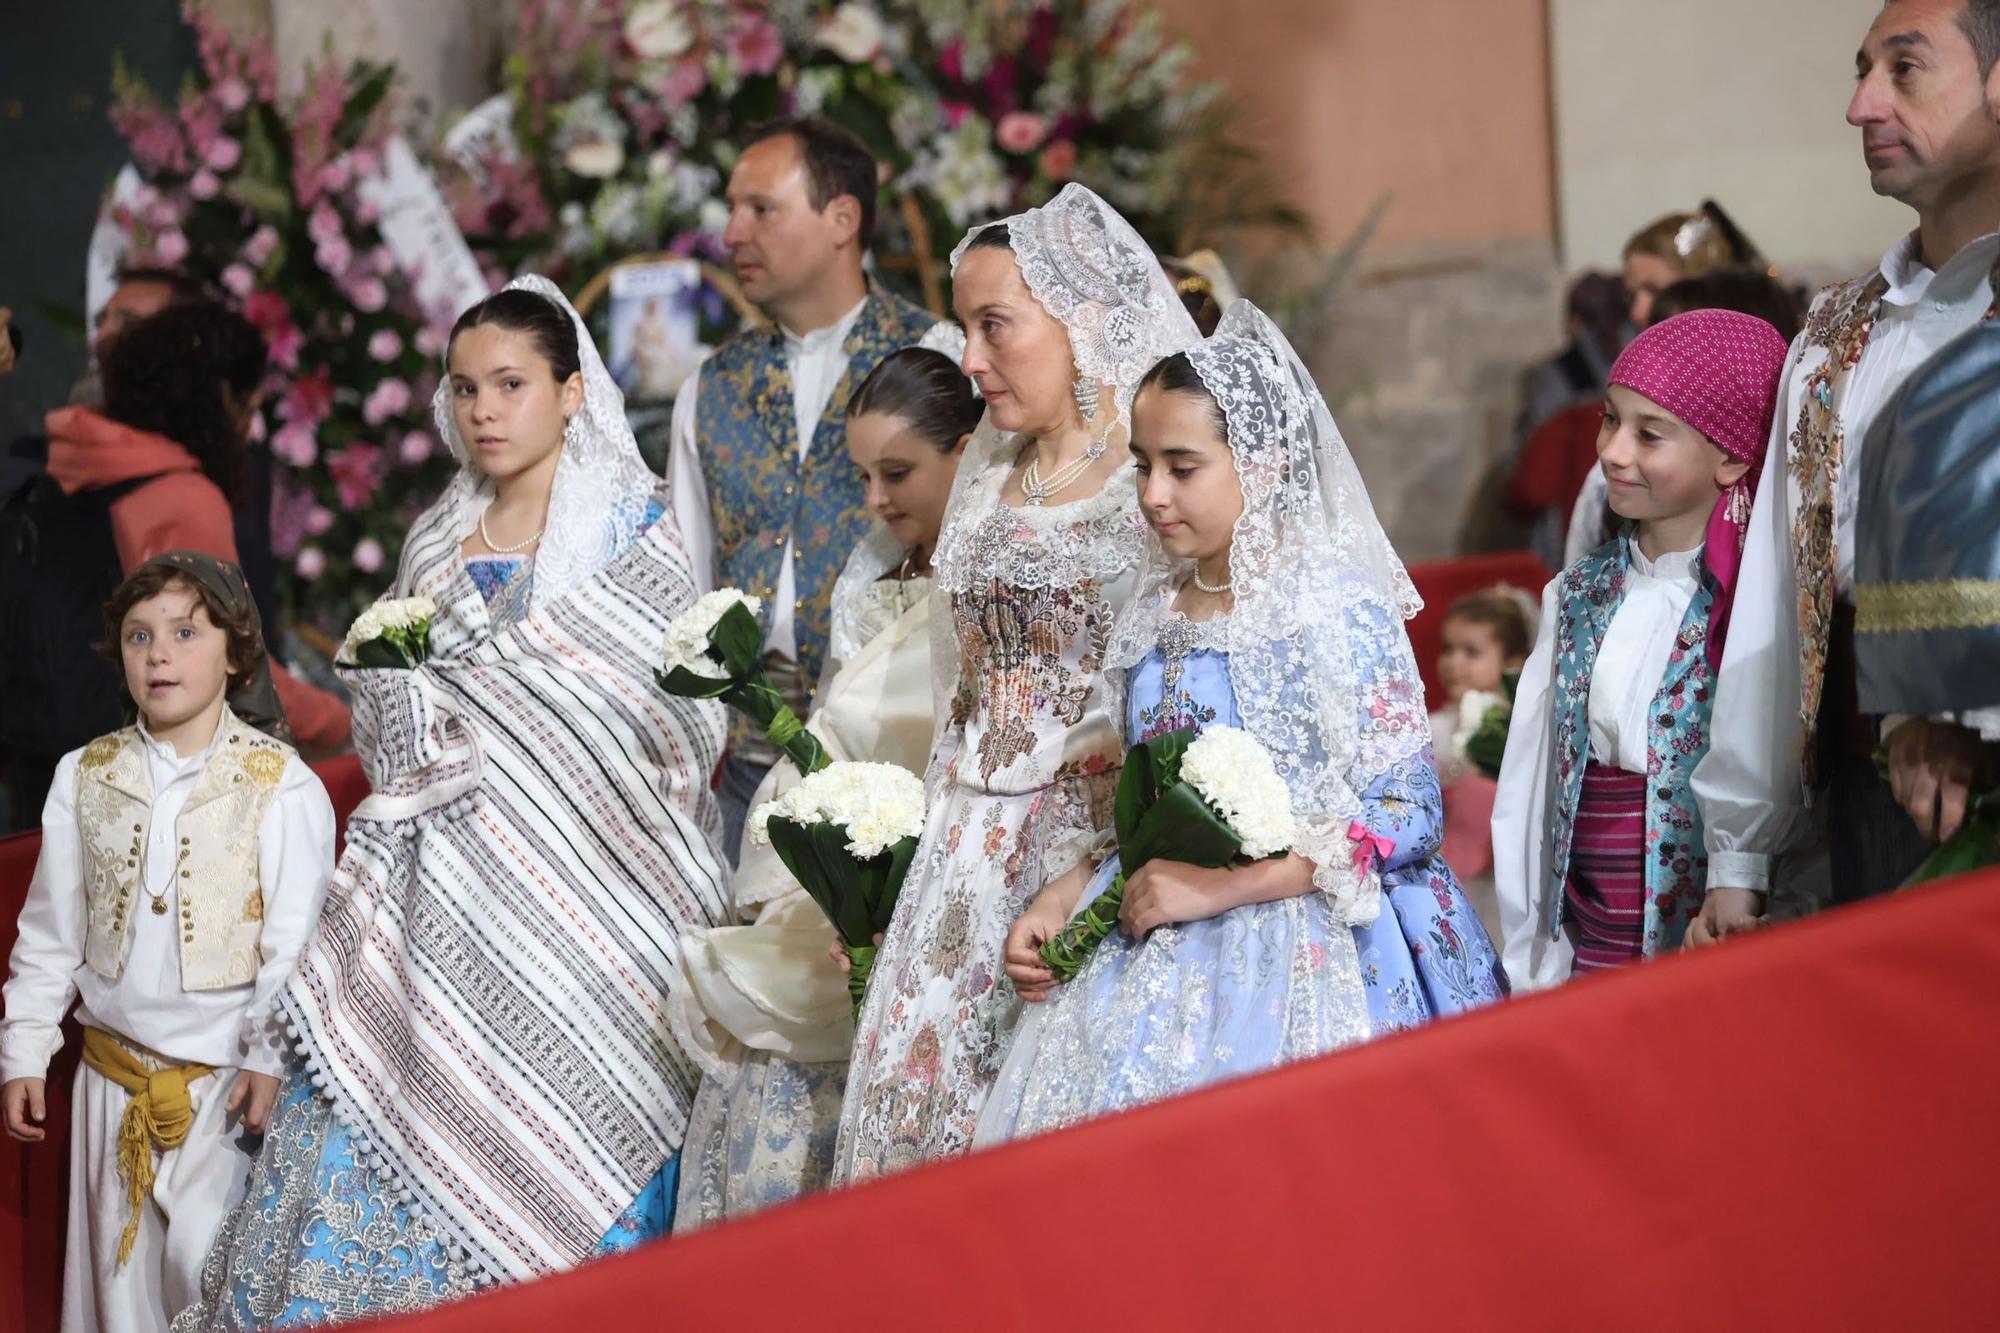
[1269, 601]
[766, 1013]
[486, 1087]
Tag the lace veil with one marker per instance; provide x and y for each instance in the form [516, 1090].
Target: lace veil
[1319, 660]
[602, 486]
[1087, 267]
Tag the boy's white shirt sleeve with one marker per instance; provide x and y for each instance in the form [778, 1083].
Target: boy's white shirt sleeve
[41, 976]
[1520, 821]
[687, 489]
[1749, 786]
[295, 861]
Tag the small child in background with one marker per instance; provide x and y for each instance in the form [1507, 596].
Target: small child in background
[182, 866]
[1487, 636]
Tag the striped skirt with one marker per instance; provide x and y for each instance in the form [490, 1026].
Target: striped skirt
[1604, 896]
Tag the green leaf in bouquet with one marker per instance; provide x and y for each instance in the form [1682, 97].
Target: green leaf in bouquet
[687, 684]
[1975, 846]
[889, 885]
[1182, 827]
[382, 653]
[739, 640]
[800, 847]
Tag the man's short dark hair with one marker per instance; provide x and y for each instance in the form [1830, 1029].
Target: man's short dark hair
[837, 163]
[181, 287]
[1980, 21]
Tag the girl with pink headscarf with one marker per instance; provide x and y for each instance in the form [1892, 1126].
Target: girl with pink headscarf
[1598, 852]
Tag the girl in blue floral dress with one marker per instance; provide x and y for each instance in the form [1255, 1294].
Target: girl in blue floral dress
[1270, 602]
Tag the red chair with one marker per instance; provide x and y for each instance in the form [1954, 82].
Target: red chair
[1442, 582]
[34, 1180]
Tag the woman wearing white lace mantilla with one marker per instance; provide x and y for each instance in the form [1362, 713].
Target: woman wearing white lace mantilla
[1065, 309]
[766, 1012]
[485, 1087]
[1270, 601]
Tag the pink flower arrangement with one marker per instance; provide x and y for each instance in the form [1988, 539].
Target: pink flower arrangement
[310, 564]
[357, 474]
[385, 345]
[368, 555]
[1058, 160]
[755, 43]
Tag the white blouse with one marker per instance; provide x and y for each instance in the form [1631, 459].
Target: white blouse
[228, 1028]
[1630, 664]
[1633, 656]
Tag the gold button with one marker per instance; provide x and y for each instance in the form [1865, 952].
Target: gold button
[186, 841]
[185, 874]
[138, 828]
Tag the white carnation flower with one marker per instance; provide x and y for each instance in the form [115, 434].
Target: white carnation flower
[658, 30]
[687, 634]
[877, 804]
[399, 613]
[854, 33]
[596, 159]
[1473, 706]
[1234, 774]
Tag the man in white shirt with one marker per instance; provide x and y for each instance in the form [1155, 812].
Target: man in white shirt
[761, 486]
[1788, 733]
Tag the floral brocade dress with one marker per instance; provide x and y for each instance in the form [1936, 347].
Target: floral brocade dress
[1022, 781]
[1258, 985]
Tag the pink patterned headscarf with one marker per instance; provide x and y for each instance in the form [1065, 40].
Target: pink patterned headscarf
[1718, 371]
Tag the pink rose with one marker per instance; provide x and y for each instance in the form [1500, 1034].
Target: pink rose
[170, 247]
[232, 93]
[224, 154]
[204, 185]
[755, 44]
[1020, 132]
[415, 450]
[385, 345]
[382, 260]
[308, 399]
[239, 279]
[684, 83]
[162, 213]
[262, 244]
[1058, 160]
[311, 563]
[295, 444]
[390, 398]
[368, 555]
[319, 520]
[369, 295]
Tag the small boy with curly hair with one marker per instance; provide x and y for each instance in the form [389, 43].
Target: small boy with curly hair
[182, 865]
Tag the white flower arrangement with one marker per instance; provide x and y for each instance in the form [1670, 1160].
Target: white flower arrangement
[878, 804]
[1234, 774]
[1473, 706]
[687, 634]
[398, 619]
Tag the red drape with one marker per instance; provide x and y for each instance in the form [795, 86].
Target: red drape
[1789, 1132]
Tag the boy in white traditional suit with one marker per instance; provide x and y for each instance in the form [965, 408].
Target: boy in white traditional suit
[183, 861]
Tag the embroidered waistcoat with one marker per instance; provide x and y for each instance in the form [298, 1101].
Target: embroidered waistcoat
[1676, 738]
[216, 865]
[761, 493]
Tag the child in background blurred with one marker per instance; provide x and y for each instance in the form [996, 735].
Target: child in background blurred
[1487, 635]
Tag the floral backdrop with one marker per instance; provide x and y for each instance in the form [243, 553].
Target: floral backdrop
[263, 197]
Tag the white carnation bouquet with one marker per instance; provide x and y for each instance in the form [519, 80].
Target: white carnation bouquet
[394, 633]
[1206, 799]
[714, 650]
[847, 833]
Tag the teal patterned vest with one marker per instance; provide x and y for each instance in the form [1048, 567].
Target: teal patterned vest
[760, 493]
[1677, 737]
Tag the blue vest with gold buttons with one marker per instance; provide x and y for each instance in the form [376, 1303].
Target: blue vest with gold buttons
[760, 493]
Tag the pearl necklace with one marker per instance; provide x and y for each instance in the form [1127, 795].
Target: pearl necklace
[496, 547]
[1212, 589]
[1036, 491]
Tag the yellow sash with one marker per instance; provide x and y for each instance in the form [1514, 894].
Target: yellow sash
[161, 1112]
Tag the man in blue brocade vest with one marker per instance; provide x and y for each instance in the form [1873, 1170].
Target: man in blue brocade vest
[766, 498]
